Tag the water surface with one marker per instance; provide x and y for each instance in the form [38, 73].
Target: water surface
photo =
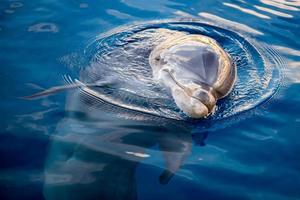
[72, 145]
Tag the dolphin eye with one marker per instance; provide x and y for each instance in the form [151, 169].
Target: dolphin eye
[160, 60]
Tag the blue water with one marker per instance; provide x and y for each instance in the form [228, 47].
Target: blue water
[134, 143]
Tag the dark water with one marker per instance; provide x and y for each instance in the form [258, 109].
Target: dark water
[75, 146]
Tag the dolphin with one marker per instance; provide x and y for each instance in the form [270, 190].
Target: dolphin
[195, 69]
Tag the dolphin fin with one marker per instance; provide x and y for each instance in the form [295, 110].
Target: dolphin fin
[35, 86]
[56, 89]
[165, 177]
[50, 91]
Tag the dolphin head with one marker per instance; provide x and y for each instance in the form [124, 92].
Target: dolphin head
[196, 70]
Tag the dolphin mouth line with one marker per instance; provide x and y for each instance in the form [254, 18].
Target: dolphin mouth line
[187, 90]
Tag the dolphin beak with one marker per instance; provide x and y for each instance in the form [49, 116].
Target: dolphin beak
[191, 106]
[196, 103]
[206, 97]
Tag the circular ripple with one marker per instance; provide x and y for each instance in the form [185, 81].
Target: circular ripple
[119, 60]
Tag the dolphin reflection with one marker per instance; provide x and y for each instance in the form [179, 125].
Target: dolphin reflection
[94, 155]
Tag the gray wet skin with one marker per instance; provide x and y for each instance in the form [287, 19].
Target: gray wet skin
[196, 70]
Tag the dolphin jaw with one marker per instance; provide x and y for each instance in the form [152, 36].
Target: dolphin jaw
[193, 99]
[191, 106]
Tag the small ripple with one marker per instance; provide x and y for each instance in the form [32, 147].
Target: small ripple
[248, 11]
[16, 4]
[118, 14]
[9, 11]
[229, 24]
[274, 12]
[282, 4]
[83, 5]
[155, 5]
[44, 27]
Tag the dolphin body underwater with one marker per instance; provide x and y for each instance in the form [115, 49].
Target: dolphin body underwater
[90, 157]
[194, 68]
[94, 154]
